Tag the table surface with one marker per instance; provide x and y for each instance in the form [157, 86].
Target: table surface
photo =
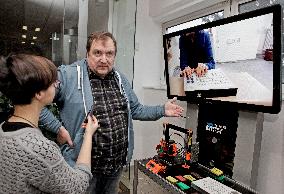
[141, 165]
[249, 91]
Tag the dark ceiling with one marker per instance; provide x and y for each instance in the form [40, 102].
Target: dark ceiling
[45, 14]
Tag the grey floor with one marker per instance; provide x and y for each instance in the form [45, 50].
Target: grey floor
[260, 69]
[145, 184]
[125, 186]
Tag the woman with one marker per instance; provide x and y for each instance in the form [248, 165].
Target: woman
[29, 162]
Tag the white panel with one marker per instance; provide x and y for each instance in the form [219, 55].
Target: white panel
[240, 41]
[166, 10]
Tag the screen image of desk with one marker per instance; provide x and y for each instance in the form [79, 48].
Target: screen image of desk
[250, 90]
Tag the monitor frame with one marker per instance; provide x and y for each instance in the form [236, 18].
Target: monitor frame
[275, 108]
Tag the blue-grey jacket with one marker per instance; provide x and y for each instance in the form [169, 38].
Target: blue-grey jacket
[74, 99]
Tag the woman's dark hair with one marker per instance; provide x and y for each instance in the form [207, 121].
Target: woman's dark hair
[24, 75]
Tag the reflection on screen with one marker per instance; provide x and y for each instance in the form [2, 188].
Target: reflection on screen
[242, 51]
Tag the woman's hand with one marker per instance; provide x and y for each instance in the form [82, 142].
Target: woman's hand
[91, 126]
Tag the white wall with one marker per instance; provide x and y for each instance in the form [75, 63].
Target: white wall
[148, 52]
[166, 10]
[243, 39]
[147, 63]
[147, 67]
[271, 164]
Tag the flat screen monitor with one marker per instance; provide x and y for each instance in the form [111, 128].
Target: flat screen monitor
[242, 55]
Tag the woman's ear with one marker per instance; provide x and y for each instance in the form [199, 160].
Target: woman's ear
[39, 95]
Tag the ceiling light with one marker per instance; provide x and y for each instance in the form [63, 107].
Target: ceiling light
[34, 37]
[54, 36]
[23, 42]
[24, 36]
[37, 29]
[25, 27]
[32, 43]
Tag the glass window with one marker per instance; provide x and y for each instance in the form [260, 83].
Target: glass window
[70, 35]
[37, 27]
[198, 21]
[123, 28]
[256, 4]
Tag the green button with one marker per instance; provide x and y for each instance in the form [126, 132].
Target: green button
[183, 186]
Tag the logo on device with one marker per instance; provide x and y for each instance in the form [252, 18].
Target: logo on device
[215, 128]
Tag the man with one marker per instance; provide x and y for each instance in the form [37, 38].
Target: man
[195, 53]
[93, 84]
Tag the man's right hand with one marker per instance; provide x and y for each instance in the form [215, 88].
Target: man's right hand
[187, 72]
[63, 136]
[201, 69]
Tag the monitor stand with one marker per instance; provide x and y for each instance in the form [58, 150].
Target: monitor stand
[248, 143]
